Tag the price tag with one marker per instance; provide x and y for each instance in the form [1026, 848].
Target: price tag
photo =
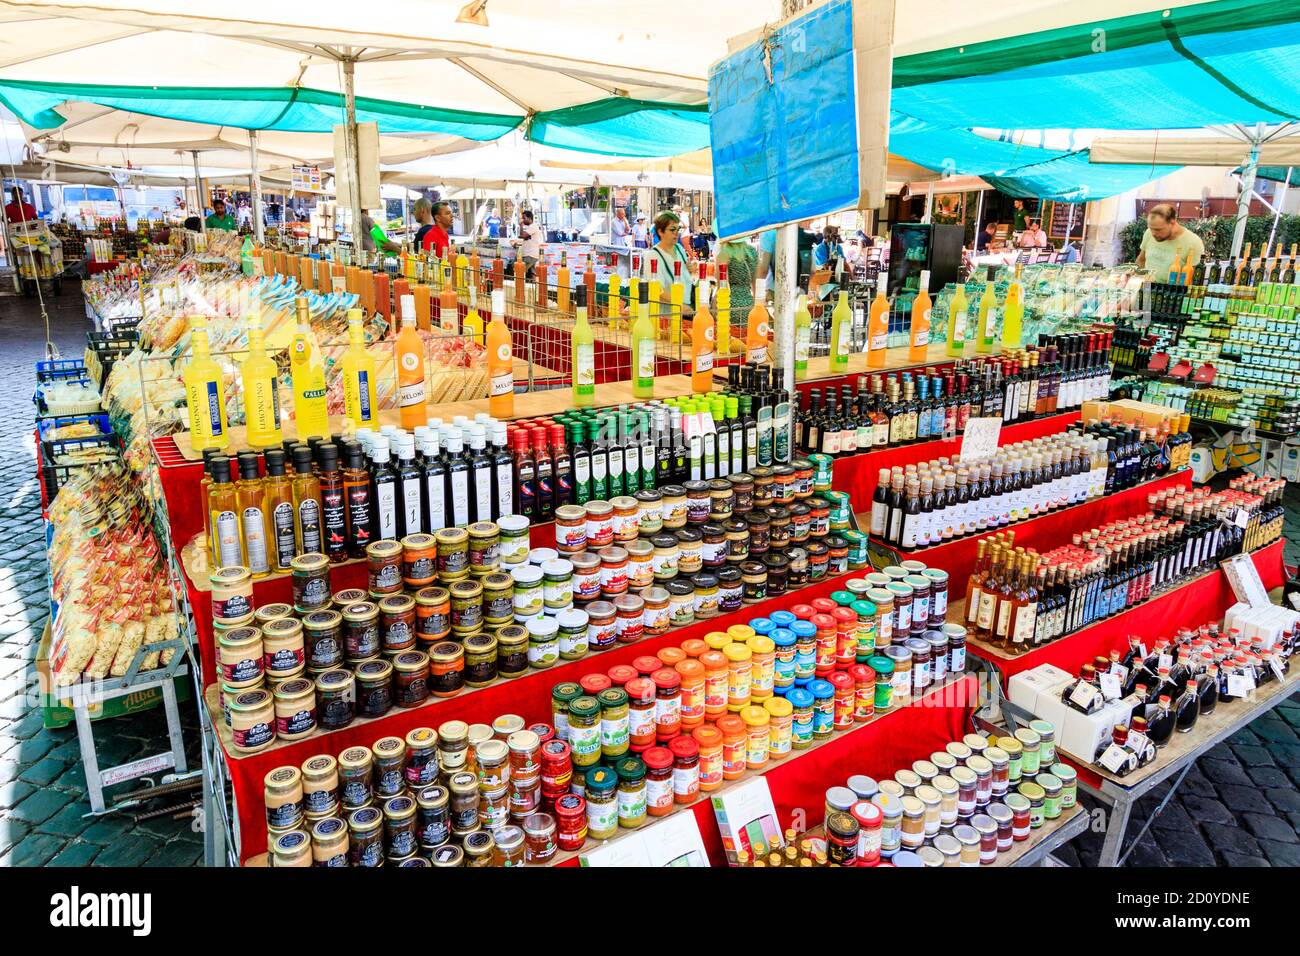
[980, 438]
[1239, 685]
[1244, 578]
[1166, 660]
[1084, 696]
[1241, 518]
[1276, 666]
[1111, 688]
[1120, 671]
[1114, 758]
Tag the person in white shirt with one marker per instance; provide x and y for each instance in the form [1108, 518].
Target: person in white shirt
[640, 234]
[620, 227]
[667, 251]
[529, 242]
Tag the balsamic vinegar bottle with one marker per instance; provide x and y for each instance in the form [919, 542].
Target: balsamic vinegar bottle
[434, 476]
[410, 490]
[458, 482]
[357, 494]
[333, 503]
[503, 473]
[480, 465]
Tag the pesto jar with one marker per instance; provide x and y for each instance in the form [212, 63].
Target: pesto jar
[632, 808]
[572, 634]
[615, 726]
[498, 598]
[1030, 743]
[529, 595]
[514, 540]
[584, 731]
[1069, 784]
[557, 584]
[543, 642]
[1052, 788]
[1046, 741]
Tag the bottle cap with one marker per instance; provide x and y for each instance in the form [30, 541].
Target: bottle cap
[407, 303]
[302, 459]
[247, 465]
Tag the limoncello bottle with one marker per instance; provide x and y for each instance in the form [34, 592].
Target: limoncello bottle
[310, 410]
[802, 336]
[584, 354]
[261, 393]
[643, 347]
[841, 334]
[958, 312]
[359, 401]
[204, 392]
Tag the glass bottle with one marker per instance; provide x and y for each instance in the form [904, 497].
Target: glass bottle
[250, 503]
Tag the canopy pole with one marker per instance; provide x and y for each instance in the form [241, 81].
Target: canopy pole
[198, 193]
[787, 276]
[1247, 189]
[1069, 227]
[1280, 201]
[256, 178]
[354, 157]
[929, 203]
[979, 214]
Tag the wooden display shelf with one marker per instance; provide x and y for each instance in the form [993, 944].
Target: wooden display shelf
[1052, 834]
[896, 360]
[200, 582]
[728, 785]
[1183, 746]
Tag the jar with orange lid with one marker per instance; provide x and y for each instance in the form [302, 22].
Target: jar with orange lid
[763, 667]
[709, 740]
[692, 675]
[781, 726]
[758, 730]
[658, 781]
[446, 669]
[668, 704]
[419, 560]
[715, 666]
[686, 769]
[740, 670]
[864, 692]
[735, 745]
[845, 699]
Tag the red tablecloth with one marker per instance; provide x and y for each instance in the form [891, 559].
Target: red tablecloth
[857, 474]
[1198, 602]
[878, 749]
[529, 696]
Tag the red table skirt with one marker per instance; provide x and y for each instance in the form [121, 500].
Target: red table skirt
[1198, 602]
[857, 474]
[878, 749]
[1045, 532]
[529, 696]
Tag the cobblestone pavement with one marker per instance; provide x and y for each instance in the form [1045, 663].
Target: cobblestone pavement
[1239, 806]
[43, 798]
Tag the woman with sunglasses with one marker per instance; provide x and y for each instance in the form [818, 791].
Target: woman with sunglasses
[666, 251]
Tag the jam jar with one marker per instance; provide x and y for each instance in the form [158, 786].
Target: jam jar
[722, 500]
[731, 590]
[742, 487]
[432, 614]
[760, 532]
[374, 680]
[336, 699]
[360, 631]
[714, 549]
[411, 678]
[445, 671]
[754, 578]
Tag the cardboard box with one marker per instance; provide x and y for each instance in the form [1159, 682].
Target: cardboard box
[1144, 414]
[1024, 688]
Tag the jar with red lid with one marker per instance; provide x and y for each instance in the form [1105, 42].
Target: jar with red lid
[735, 743]
[544, 732]
[686, 768]
[557, 768]
[823, 605]
[845, 699]
[715, 683]
[658, 781]
[864, 692]
[846, 637]
[827, 642]
[709, 740]
[593, 684]
[620, 674]
[570, 822]
[691, 672]
[668, 704]
[641, 695]
[870, 819]
[804, 612]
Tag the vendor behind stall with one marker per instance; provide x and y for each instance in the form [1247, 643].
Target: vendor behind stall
[374, 238]
[220, 219]
[666, 251]
[1165, 240]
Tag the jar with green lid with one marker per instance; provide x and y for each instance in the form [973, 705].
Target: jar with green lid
[615, 722]
[632, 810]
[1015, 754]
[529, 594]
[866, 629]
[600, 789]
[884, 669]
[1052, 787]
[480, 660]
[1035, 795]
[498, 598]
[821, 472]
[572, 634]
[1069, 784]
[562, 695]
[857, 541]
[512, 651]
[543, 641]
[584, 730]
[841, 513]
[514, 540]
[1046, 741]
[1029, 745]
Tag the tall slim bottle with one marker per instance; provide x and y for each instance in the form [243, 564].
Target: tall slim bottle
[643, 348]
[1013, 313]
[501, 365]
[251, 502]
[920, 336]
[411, 373]
[333, 503]
[261, 393]
[878, 325]
[205, 394]
[675, 297]
[702, 357]
[841, 334]
[802, 338]
[723, 305]
[359, 400]
[584, 355]
[277, 503]
[306, 501]
[987, 335]
[958, 320]
[310, 410]
[223, 517]
[473, 324]
[759, 325]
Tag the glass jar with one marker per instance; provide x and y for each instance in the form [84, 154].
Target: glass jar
[690, 551]
[1002, 817]
[901, 657]
[819, 557]
[681, 603]
[498, 598]
[781, 726]
[539, 838]
[512, 651]
[295, 708]
[722, 499]
[760, 532]
[640, 565]
[543, 641]
[714, 546]
[570, 529]
[283, 654]
[753, 576]
[432, 615]
[600, 790]
[630, 623]
[737, 532]
[432, 817]
[464, 790]
[397, 623]
[453, 554]
[600, 524]
[632, 808]
[779, 529]
[891, 823]
[388, 757]
[650, 514]
[800, 523]
[763, 482]
[1030, 744]
[742, 487]
[698, 502]
[529, 592]
[421, 766]
[1046, 741]
[1051, 787]
[466, 607]
[1019, 806]
[967, 783]
[759, 730]
[446, 670]
[336, 699]
[613, 571]
[987, 829]
[686, 769]
[366, 837]
[615, 722]
[484, 548]
[514, 539]
[453, 746]
[949, 795]
[674, 506]
[627, 518]
[586, 576]
[480, 660]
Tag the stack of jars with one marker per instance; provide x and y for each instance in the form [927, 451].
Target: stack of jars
[460, 795]
[430, 622]
[963, 806]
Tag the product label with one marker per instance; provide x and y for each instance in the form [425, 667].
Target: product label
[614, 732]
[226, 532]
[255, 539]
[437, 502]
[286, 545]
[386, 502]
[659, 793]
[364, 390]
[483, 492]
[584, 374]
[631, 805]
[584, 741]
[214, 408]
[503, 383]
[1024, 631]
[645, 361]
[459, 498]
[411, 393]
[984, 618]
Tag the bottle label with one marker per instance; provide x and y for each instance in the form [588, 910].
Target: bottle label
[386, 505]
[879, 341]
[255, 539]
[802, 335]
[645, 361]
[483, 492]
[437, 504]
[993, 325]
[334, 519]
[988, 602]
[959, 326]
[505, 494]
[844, 343]
[460, 497]
[286, 545]
[909, 530]
[214, 408]
[411, 394]
[365, 412]
[757, 354]
[411, 505]
[309, 525]
[1004, 619]
[584, 375]
[1024, 631]
[878, 511]
[781, 425]
[503, 383]
[704, 361]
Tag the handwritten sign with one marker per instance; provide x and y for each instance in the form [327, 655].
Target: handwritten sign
[980, 439]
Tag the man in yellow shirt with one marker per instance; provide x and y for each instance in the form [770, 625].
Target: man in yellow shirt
[1164, 241]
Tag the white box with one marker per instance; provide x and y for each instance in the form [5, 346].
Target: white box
[1084, 734]
[1052, 709]
[1023, 688]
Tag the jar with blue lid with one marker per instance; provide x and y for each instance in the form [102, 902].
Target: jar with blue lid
[805, 653]
[823, 708]
[782, 618]
[801, 699]
[762, 626]
[784, 674]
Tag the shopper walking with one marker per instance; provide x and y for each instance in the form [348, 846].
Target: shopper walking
[529, 241]
[640, 234]
[620, 227]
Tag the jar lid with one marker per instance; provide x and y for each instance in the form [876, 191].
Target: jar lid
[421, 738]
[557, 568]
[598, 508]
[623, 503]
[282, 778]
[1028, 738]
[355, 758]
[542, 627]
[419, 542]
[1049, 782]
[229, 576]
[570, 513]
[673, 491]
[741, 479]
[755, 716]
[584, 561]
[282, 628]
[238, 638]
[526, 574]
[298, 687]
[613, 554]
[683, 747]
[753, 568]
[333, 681]
[867, 813]
[890, 806]
[648, 496]
[389, 747]
[584, 706]
[736, 526]
[678, 588]
[708, 737]
[523, 740]
[453, 731]
[1000, 813]
[731, 725]
[1043, 728]
[463, 782]
[863, 786]
[944, 783]
[446, 536]
[612, 697]
[512, 635]
[629, 603]
[880, 597]
[1065, 773]
[601, 780]
[365, 819]
[666, 678]
[513, 524]
[688, 536]
[396, 604]
[840, 823]
[964, 776]
[696, 487]
[630, 769]
[776, 562]
[664, 542]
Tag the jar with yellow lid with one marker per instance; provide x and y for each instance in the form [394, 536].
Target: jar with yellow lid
[282, 794]
[739, 676]
[758, 728]
[484, 548]
[453, 554]
[329, 843]
[781, 726]
[366, 837]
[388, 755]
[763, 667]
[1015, 755]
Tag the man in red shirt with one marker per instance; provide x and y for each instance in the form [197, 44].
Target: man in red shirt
[438, 238]
[19, 209]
